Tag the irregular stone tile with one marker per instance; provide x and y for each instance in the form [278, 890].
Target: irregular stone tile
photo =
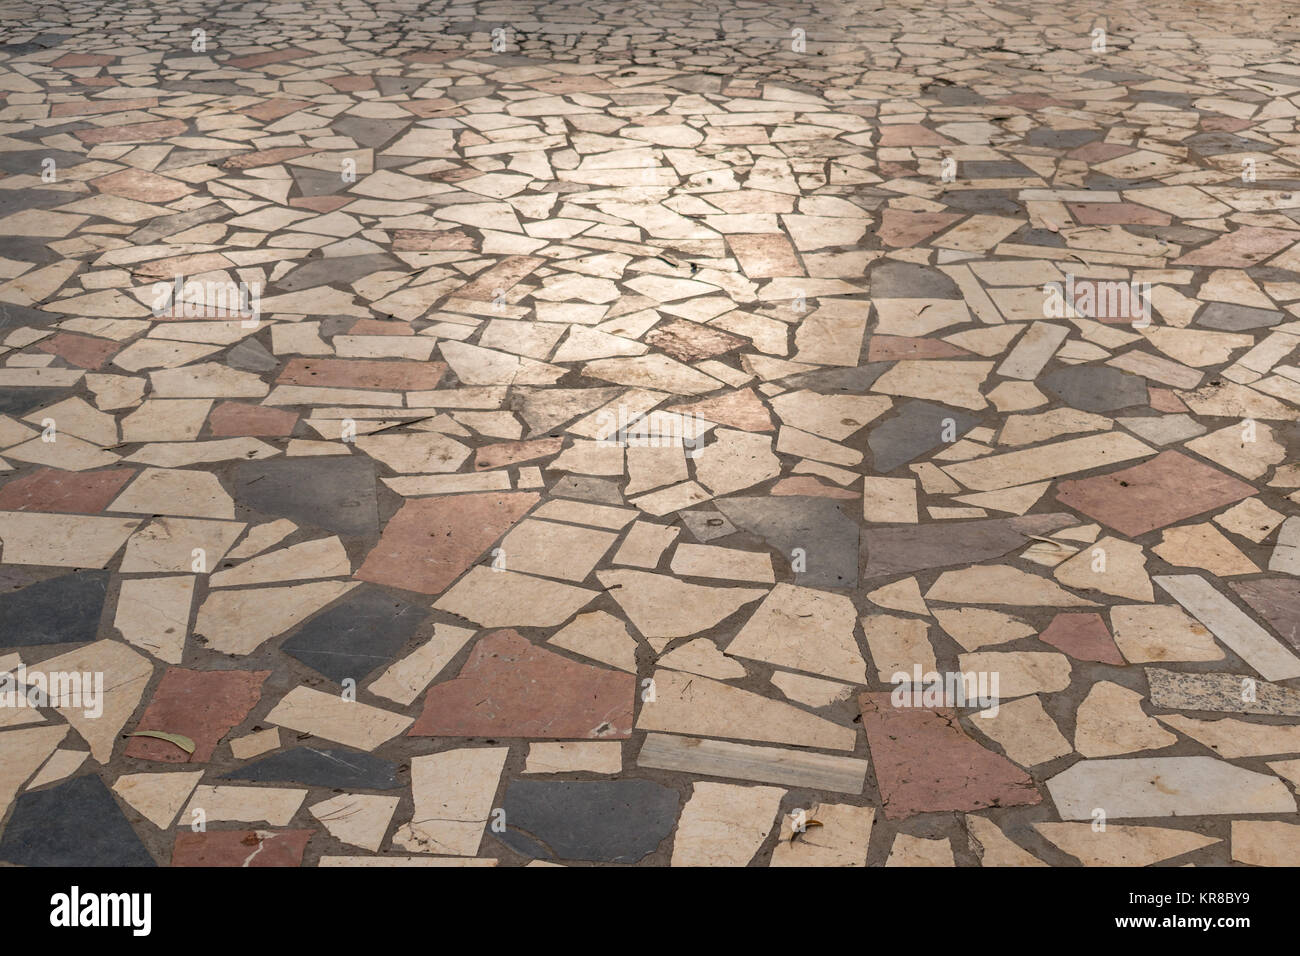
[840, 840]
[1265, 842]
[1095, 389]
[201, 705]
[1233, 738]
[803, 629]
[509, 687]
[47, 489]
[42, 539]
[1083, 636]
[917, 428]
[925, 762]
[1232, 626]
[1221, 692]
[154, 614]
[1121, 845]
[616, 821]
[321, 767]
[25, 750]
[126, 674]
[240, 848]
[506, 599]
[332, 718]
[1165, 786]
[273, 805]
[919, 851]
[1111, 566]
[1025, 732]
[74, 824]
[1110, 721]
[724, 824]
[59, 610]
[1277, 601]
[600, 757]
[1161, 632]
[660, 606]
[336, 494]
[453, 792]
[357, 819]
[1156, 493]
[157, 797]
[821, 529]
[894, 551]
[1203, 546]
[237, 622]
[352, 638]
[1001, 584]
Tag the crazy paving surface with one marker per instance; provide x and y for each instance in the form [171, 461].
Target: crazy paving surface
[627, 405]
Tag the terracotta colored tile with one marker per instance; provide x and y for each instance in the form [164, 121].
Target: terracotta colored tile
[142, 185]
[890, 348]
[1247, 246]
[237, 419]
[1116, 213]
[83, 59]
[201, 705]
[240, 848]
[899, 228]
[431, 542]
[1164, 400]
[265, 157]
[67, 492]
[690, 341]
[1168, 488]
[273, 110]
[84, 351]
[1082, 635]
[741, 409]
[396, 375]
[510, 687]
[925, 762]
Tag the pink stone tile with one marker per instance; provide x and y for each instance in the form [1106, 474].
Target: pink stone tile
[511, 687]
[83, 351]
[1168, 488]
[1247, 246]
[690, 341]
[96, 107]
[232, 419]
[742, 409]
[265, 59]
[925, 762]
[142, 185]
[431, 542]
[265, 157]
[1083, 636]
[890, 348]
[1164, 400]
[1116, 214]
[765, 256]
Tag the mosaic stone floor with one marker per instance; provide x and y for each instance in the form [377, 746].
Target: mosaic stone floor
[503, 433]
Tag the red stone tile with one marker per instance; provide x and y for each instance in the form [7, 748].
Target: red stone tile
[1248, 246]
[808, 485]
[201, 705]
[147, 132]
[1083, 636]
[742, 409]
[514, 452]
[901, 229]
[431, 542]
[1227, 124]
[235, 419]
[64, 492]
[391, 374]
[83, 351]
[240, 848]
[142, 185]
[511, 687]
[1116, 214]
[890, 348]
[926, 763]
[1156, 493]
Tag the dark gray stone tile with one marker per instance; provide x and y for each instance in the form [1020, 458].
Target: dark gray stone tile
[1277, 601]
[342, 269]
[889, 552]
[363, 631]
[826, 530]
[1227, 317]
[318, 767]
[602, 821]
[77, 823]
[907, 280]
[918, 427]
[251, 356]
[337, 494]
[1095, 388]
[62, 610]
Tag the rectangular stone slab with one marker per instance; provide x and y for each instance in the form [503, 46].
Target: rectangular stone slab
[719, 758]
[1047, 461]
